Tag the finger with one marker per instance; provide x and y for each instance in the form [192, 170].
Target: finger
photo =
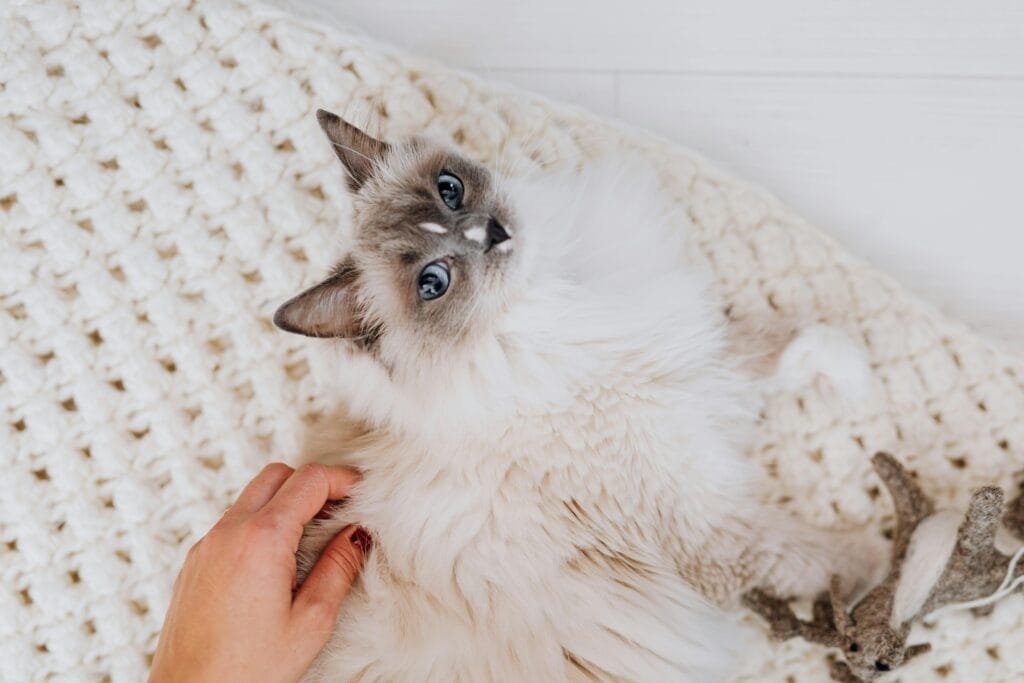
[318, 600]
[301, 497]
[260, 490]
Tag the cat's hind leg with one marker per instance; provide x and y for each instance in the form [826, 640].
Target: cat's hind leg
[796, 559]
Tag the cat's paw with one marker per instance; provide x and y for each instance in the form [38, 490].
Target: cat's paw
[829, 360]
[863, 563]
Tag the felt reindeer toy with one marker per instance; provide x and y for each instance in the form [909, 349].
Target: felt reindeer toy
[939, 559]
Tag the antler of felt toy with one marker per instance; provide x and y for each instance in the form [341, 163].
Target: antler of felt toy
[940, 560]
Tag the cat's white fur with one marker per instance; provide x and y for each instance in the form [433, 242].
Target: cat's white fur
[567, 497]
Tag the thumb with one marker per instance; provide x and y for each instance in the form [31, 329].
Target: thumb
[328, 582]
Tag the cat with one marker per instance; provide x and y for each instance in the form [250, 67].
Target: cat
[550, 430]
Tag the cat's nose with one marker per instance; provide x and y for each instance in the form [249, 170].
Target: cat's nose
[496, 234]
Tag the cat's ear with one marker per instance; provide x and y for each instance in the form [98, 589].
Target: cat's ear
[358, 151]
[329, 309]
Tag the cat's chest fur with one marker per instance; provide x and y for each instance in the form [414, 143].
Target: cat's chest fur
[561, 481]
[548, 544]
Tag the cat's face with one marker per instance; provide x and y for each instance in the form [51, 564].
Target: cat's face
[434, 240]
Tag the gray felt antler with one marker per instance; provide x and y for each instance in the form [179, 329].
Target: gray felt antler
[871, 637]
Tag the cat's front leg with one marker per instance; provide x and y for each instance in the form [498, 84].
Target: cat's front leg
[759, 547]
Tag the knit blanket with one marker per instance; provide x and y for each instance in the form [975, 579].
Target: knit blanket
[164, 185]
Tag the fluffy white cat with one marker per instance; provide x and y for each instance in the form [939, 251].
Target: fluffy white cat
[550, 431]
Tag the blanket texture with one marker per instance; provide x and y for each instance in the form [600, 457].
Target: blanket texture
[164, 185]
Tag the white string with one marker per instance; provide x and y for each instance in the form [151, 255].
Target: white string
[1008, 585]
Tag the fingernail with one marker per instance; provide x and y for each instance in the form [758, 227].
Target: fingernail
[362, 540]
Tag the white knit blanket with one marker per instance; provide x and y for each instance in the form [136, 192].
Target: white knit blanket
[163, 186]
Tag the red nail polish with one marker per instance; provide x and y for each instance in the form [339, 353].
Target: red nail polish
[362, 540]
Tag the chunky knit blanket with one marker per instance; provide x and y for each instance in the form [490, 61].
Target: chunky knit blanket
[163, 185]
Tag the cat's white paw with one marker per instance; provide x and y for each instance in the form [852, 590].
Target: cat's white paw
[863, 564]
[830, 360]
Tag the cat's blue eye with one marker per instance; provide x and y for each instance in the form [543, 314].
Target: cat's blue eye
[451, 190]
[433, 280]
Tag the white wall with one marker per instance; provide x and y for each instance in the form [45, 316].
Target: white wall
[897, 126]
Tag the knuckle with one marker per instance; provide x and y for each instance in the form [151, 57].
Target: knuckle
[190, 556]
[264, 527]
[321, 614]
[276, 467]
[313, 470]
[341, 560]
[215, 536]
[267, 523]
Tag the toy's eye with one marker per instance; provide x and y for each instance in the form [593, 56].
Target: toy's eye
[451, 190]
[882, 666]
[854, 647]
[433, 280]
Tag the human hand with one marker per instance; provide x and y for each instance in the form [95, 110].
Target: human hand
[235, 614]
